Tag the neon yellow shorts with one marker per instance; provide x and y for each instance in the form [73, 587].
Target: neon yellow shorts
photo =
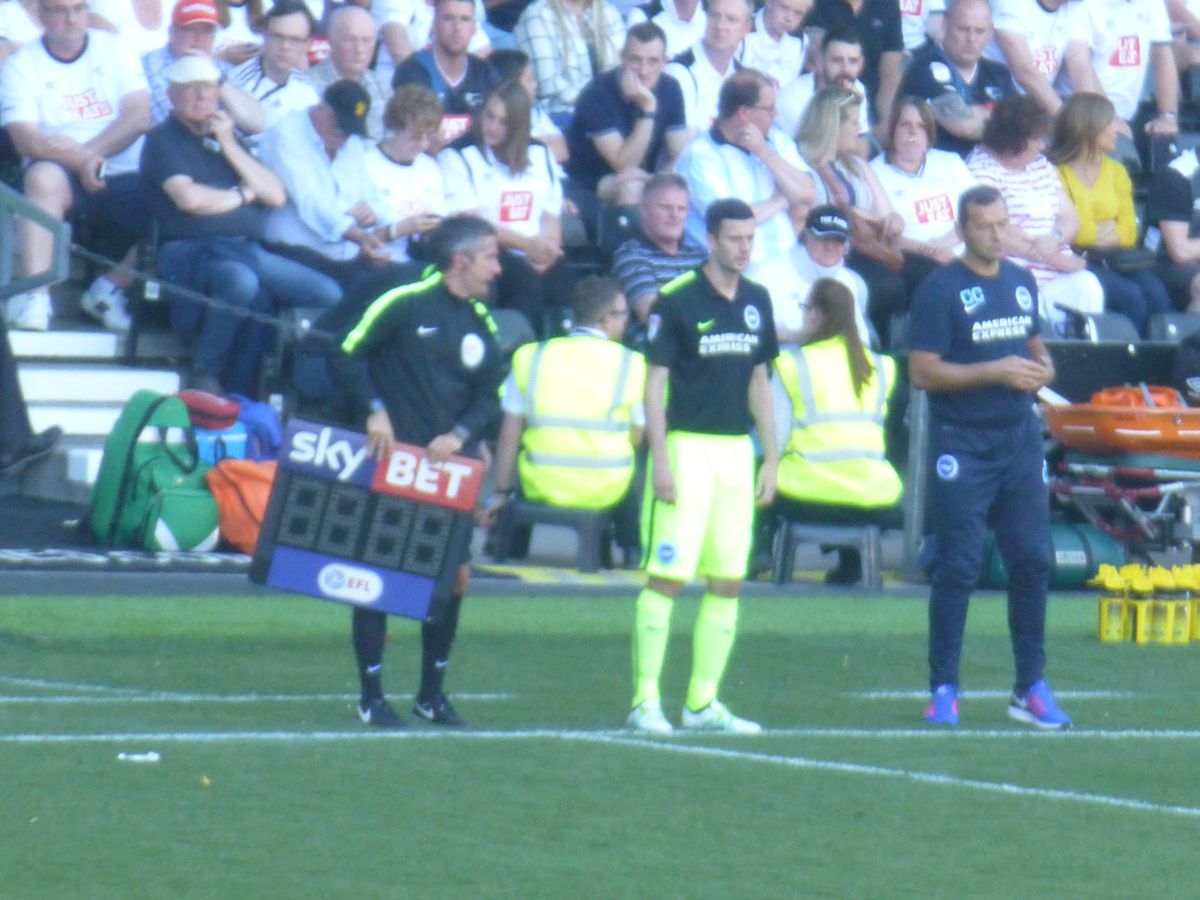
[708, 530]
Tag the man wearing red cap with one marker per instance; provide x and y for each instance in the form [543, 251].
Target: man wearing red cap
[193, 25]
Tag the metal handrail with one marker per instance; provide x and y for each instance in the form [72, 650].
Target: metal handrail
[14, 205]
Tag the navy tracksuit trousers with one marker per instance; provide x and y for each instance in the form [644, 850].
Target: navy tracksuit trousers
[988, 477]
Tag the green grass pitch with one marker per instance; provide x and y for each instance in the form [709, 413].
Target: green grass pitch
[268, 786]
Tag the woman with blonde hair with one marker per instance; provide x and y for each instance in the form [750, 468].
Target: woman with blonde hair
[1101, 191]
[568, 42]
[828, 142]
[498, 172]
[832, 469]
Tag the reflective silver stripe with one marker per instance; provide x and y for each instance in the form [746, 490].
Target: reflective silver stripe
[577, 423]
[841, 455]
[826, 418]
[578, 462]
[618, 393]
[531, 383]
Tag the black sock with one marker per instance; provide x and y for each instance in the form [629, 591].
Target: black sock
[369, 630]
[436, 640]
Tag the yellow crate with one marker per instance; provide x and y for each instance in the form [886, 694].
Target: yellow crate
[1195, 632]
[1138, 611]
[1180, 626]
[1114, 618]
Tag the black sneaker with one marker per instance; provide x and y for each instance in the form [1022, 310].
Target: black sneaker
[438, 710]
[38, 446]
[380, 714]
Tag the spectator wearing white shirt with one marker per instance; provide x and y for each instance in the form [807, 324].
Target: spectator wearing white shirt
[274, 77]
[773, 47]
[76, 106]
[404, 182]
[921, 23]
[820, 253]
[923, 185]
[318, 154]
[351, 48]
[840, 62]
[500, 174]
[743, 156]
[702, 69]
[1128, 39]
[1043, 42]
[568, 42]
[682, 21]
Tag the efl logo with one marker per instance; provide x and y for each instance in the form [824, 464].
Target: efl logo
[86, 106]
[351, 583]
[516, 206]
[910, 7]
[1046, 60]
[1128, 52]
[935, 209]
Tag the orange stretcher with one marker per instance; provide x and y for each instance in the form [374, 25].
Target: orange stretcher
[1128, 420]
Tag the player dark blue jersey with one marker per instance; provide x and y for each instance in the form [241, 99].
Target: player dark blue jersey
[964, 318]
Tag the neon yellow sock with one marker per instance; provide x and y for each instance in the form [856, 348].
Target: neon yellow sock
[712, 641]
[651, 629]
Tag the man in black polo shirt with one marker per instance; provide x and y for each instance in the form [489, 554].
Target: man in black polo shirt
[210, 197]
[1173, 211]
[960, 85]
[629, 122]
[712, 340]
[459, 79]
[877, 23]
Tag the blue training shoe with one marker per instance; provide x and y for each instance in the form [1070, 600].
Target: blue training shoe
[943, 708]
[1038, 707]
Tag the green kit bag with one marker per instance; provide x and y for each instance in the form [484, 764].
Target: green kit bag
[151, 492]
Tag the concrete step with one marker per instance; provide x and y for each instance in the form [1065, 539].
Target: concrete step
[83, 343]
[48, 382]
[85, 419]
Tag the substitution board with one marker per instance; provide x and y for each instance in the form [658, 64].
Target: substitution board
[386, 535]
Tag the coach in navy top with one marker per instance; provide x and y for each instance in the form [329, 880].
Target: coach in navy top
[975, 348]
[629, 121]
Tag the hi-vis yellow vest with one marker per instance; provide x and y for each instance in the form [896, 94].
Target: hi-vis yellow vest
[579, 392]
[835, 452]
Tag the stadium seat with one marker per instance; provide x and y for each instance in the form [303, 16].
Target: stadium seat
[1173, 327]
[1109, 326]
[589, 525]
[866, 538]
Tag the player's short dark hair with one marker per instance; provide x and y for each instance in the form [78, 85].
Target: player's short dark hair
[980, 195]
[720, 210]
[742, 88]
[841, 34]
[458, 234]
[508, 63]
[288, 8]
[593, 297]
[644, 33]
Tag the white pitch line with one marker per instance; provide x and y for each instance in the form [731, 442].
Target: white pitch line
[167, 697]
[996, 787]
[64, 685]
[986, 695]
[620, 739]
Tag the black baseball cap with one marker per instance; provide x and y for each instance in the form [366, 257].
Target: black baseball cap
[827, 221]
[349, 101]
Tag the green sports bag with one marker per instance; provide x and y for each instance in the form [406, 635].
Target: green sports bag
[150, 492]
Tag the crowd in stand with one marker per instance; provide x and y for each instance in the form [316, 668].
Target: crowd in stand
[275, 157]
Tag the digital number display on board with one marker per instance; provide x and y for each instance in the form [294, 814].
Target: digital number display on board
[384, 535]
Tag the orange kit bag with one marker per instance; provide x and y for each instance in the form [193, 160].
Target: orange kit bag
[241, 488]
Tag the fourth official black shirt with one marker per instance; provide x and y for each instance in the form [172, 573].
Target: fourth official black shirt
[711, 346]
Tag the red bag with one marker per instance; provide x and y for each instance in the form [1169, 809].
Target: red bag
[1135, 397]
[241, 488]
[210, 411]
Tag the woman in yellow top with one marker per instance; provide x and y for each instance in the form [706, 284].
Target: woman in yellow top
[1085, 132]
[833, 469]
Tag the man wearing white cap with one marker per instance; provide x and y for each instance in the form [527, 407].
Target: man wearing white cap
[76, 106]
[211, 197]
[193, 26]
